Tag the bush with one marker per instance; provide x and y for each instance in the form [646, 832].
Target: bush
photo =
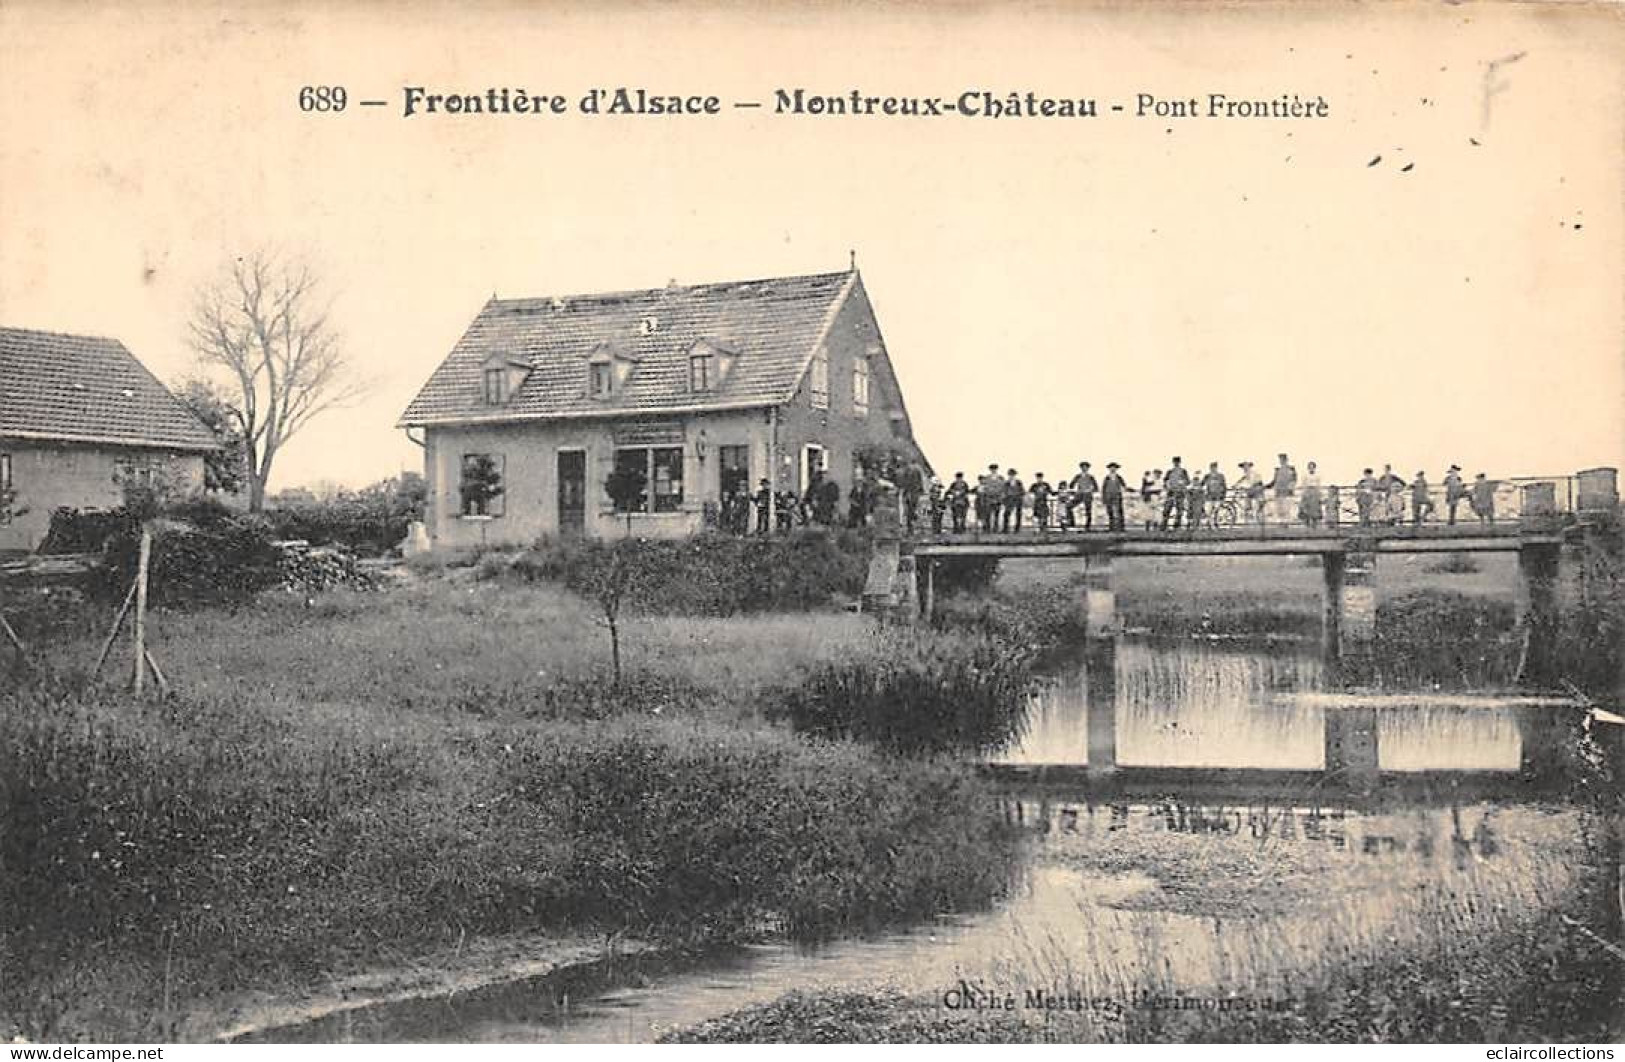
[710, 575]
[371, 522]
[223, 558]
[1453, 564]
[1428, 637]
[78, 531]
[918, 693]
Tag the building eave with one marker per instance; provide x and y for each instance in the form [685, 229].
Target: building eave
[106, 440]
[615, 413]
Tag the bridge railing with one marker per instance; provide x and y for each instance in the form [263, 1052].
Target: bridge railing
[1513, 499]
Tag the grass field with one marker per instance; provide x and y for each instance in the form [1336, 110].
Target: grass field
[378, 777]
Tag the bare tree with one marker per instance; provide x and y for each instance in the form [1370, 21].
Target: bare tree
[264, 326]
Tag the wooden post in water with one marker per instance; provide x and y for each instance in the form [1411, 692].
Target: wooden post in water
[928, 600]
[142, 560]
[1100, 599]
[1331, 614]
[1100, 704]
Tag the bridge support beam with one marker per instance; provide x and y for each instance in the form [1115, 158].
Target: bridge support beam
[1537, 610]
[906, 597]
[1100, 704]
[1099, 597]
[1351, 745]
[1349, 604]
[928, 594]
[1332, 567]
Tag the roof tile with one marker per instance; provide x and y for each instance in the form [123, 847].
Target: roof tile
[88, 389]
[771, 325]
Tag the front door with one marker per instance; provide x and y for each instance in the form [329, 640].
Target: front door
[572, 493]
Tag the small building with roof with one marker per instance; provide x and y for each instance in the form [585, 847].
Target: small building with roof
[705, 390]
[79, 417]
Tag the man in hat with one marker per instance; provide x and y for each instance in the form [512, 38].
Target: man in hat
[1421, 499]
[989, 497]
[1112, 489]
[1083, 493]
[1014, 496]
[764, 502]
[936, 503]
[959, 492]
[1282, 486]
[1214, 484]
[1393, 494]
[1174, 484]
[1041, 492]
[1454, 491]
[1365, 495]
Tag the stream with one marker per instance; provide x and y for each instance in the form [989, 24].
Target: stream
[1076, 926]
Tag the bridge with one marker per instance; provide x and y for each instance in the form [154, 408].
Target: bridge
[1535, 518]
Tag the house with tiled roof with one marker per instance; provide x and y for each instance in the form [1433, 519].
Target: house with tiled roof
[705, 390]
[79, 416]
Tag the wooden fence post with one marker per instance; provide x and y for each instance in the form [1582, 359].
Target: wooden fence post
[141, 609]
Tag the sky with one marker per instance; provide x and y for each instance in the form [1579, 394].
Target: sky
[1429, 275]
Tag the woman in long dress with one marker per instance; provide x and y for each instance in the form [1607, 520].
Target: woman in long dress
[1310, 509]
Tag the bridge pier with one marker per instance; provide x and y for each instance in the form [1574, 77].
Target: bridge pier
[1545, 734]
[1349, 604]
[1351, 744]
[1536, 604]
[1100, 704]
[1099, 597]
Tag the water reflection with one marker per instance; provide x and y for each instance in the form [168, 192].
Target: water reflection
[1134, 703]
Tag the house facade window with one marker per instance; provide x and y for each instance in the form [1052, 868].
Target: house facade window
[601, 379]
[662, 469]
[819, 385]
[5, 473]
[495, 387]
[481, 488]
[699, 372]
[135, 471]
[860, 387]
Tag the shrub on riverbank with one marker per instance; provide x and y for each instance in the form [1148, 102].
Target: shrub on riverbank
[1434, 637]
[915, 693]
[188, 847]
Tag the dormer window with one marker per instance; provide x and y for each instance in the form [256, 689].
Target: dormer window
[608, 370]
[495, 386]
[501, 377]
[700, 371]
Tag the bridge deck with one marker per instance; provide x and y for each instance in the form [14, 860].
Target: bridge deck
[1250, 541]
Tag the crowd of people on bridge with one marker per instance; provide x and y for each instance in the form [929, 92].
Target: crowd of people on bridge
[1178, 498]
